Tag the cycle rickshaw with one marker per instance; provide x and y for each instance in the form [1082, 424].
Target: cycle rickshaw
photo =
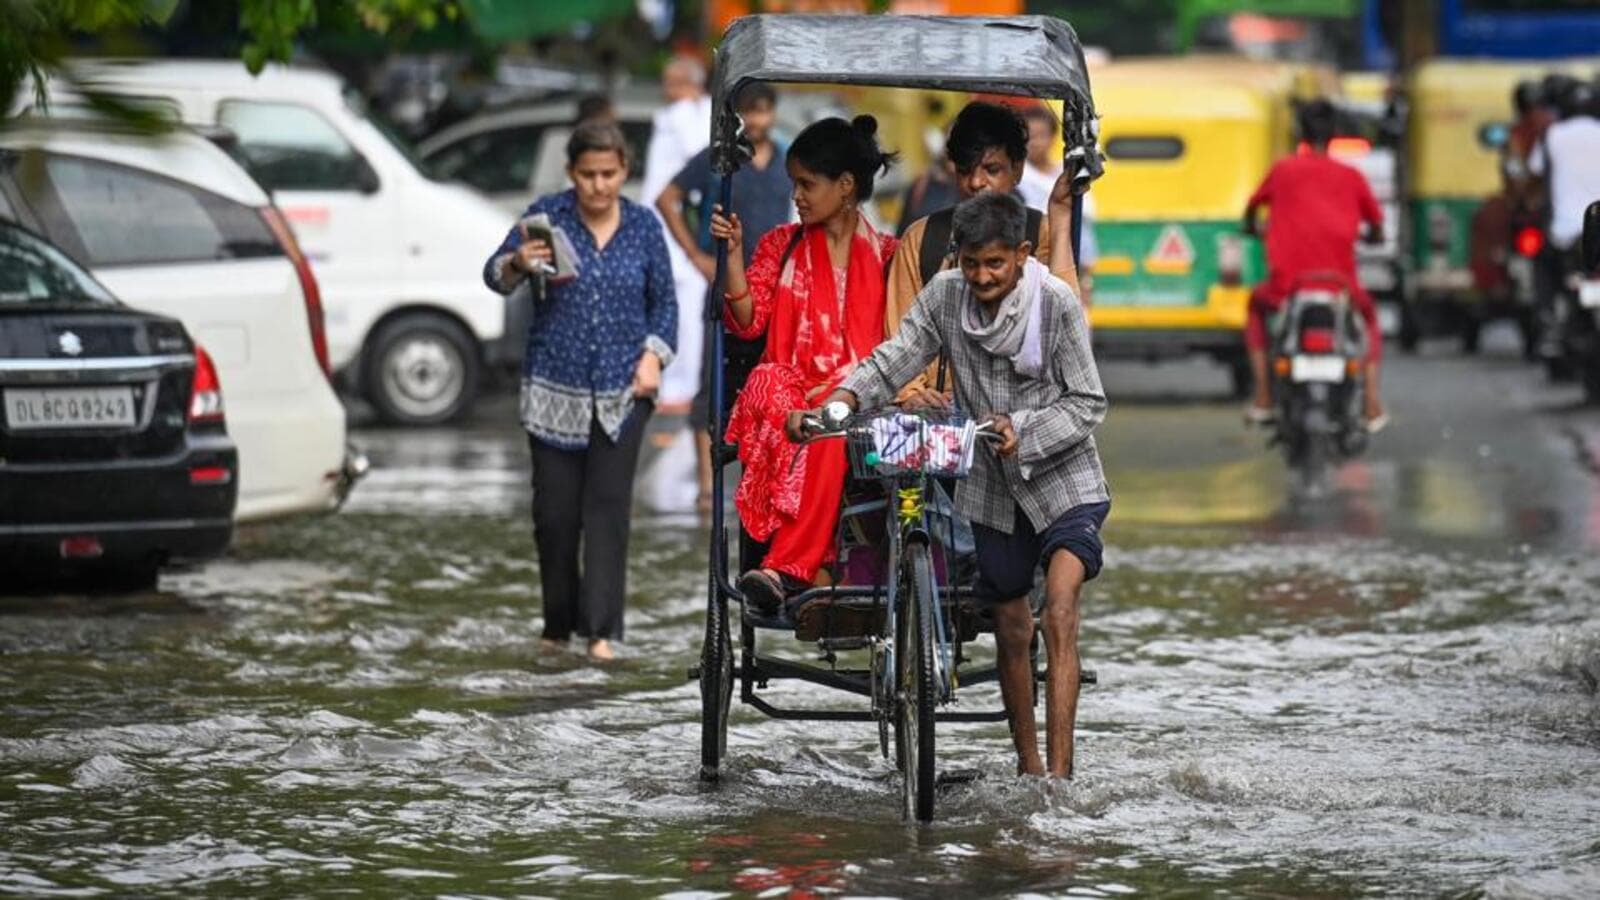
[911, 628]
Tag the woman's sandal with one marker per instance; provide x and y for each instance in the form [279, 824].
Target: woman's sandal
[762, 590]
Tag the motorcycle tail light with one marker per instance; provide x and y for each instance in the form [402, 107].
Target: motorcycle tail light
[1281, 366]
[1349, 147]
[1529, 241]
[1316, 340]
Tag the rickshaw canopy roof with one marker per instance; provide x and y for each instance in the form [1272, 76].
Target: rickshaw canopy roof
[1028, 56]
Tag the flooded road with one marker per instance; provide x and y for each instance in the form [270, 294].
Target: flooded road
[1390, 690]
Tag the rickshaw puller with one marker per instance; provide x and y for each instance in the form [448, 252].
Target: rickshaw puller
[1018, 342]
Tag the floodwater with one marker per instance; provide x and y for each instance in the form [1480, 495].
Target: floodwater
[1391, 690]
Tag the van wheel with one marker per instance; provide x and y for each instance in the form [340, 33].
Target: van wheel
[1410, 328]
[420, 369]
[1591, 383]
[1241, 380]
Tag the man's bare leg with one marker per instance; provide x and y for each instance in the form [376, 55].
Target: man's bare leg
[1261, 399]
[1374, 396]
[1063, 583]
[1013, 635]
[702, 446]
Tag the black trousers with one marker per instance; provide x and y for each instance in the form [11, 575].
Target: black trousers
[582, 506]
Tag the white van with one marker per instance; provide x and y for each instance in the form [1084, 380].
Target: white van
[173, 225]
[398, 255]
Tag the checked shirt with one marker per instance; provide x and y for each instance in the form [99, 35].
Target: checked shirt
[1056, 466]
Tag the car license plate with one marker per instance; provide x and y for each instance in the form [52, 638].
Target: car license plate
[37, 409]
[1589, 293]
[1317, 368]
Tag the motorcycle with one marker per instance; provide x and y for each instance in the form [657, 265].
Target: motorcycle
[1580, 299]
[1522, 262]
[1319, 377]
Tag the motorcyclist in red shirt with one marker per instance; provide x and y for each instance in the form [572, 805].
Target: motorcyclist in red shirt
[1318, 206]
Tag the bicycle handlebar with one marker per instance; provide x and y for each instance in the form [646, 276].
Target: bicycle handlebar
[816, 429]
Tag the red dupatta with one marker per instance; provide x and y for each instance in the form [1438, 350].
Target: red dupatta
[812, 328]
[814, 339]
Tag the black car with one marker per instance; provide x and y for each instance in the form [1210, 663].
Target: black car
[114, 456]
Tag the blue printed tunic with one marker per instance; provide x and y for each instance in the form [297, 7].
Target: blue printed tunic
[586, 336]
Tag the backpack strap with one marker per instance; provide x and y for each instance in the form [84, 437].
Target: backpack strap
[935, 245]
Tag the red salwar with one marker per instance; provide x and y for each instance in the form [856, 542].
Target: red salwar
[789, 495]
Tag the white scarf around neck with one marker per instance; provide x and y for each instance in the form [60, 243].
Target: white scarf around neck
[1015, 330]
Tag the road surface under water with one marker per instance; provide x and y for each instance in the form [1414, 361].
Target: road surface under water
[1389, 690]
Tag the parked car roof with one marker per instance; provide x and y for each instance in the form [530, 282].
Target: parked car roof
[179, 153]
[209, 74]
[630, 106]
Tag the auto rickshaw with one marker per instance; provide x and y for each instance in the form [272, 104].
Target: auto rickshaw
[898, 638]
[1452, 170]
[1174, 273]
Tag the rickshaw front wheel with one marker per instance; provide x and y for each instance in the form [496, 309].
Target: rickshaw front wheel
[917, 687]
[716, 688]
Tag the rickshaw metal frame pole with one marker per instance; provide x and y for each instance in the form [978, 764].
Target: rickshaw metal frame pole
[714, 359]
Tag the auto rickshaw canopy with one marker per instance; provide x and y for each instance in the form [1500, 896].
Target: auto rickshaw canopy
[1028, 56]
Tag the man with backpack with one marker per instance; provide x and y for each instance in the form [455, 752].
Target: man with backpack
[988, 146]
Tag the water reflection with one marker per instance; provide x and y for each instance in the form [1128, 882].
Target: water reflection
[1391, 691]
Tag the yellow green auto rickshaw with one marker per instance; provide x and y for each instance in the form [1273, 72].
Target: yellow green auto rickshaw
[1451, 172]
[1174, 272]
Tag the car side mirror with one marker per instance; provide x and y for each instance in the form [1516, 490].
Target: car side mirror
[1591, 237]
[367, 181]
[1494, 136]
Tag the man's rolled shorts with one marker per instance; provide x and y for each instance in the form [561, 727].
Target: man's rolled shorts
[1008, 563]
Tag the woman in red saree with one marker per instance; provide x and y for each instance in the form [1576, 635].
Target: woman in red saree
[816, 290]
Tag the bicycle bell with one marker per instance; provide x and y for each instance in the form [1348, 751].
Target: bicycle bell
[834, 414]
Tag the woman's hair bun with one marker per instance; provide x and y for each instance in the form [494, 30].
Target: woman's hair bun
[865, 125]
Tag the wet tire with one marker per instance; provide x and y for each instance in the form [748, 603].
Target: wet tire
[716, 688]
[916, 685]
[1591, 384]
[420, 369]
[134, 577]
[1528, 331]
[1410, 329]
[1241, 381]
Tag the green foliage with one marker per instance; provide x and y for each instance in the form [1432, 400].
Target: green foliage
[36, 36]
[273, 25]
[1124, 27]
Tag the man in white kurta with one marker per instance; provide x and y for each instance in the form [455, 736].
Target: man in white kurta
[682, 129]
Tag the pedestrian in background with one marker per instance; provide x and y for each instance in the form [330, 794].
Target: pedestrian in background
[680, 130]
[596, 347]
[1039, 179]
[761, 189]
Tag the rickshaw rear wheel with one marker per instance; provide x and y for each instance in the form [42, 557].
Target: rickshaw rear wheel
[917, 688]
[716, 688]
